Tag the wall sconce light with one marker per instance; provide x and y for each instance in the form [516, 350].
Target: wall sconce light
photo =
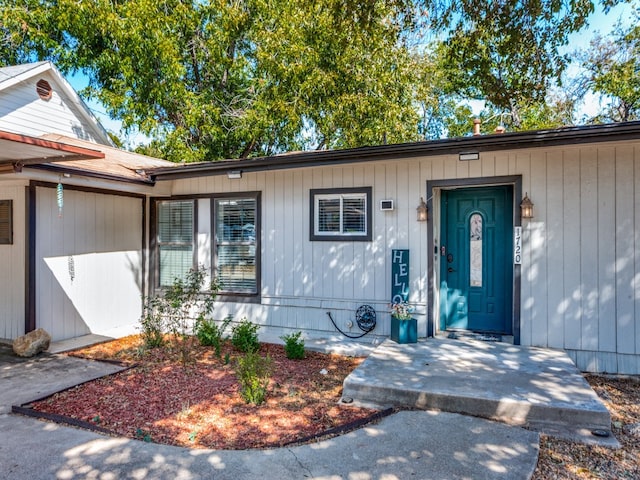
[468, 156]
[526, 207]
[422, 211]
[234, 174]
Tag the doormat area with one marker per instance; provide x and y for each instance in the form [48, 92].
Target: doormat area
[485, 337]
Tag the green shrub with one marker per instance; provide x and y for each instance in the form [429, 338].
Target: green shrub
[176, 308]
[253, 372]
[211, 334]
[293, 345]
[152, 323]
[244, 336]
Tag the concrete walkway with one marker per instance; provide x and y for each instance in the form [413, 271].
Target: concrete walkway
[25, 380]
[537, 388]
[417, 445]
[409, 444]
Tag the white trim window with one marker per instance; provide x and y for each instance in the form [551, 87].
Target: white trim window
[341, 213]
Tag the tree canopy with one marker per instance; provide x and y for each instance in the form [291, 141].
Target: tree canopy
[611, 68]
[213, 79]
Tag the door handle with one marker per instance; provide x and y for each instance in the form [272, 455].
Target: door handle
[450, 270]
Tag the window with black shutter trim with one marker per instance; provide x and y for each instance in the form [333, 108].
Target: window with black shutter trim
[6, 222]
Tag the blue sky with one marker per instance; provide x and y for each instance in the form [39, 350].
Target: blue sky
[598, 22]
[603, 24]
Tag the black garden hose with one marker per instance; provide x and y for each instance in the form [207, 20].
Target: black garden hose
[365, 318]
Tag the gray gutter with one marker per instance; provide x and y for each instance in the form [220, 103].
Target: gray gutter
[80, 172]
[483, 143]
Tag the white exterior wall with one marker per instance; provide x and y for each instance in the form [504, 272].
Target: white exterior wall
[302, 280]
[88, 263]
[581, 264]
[581, 270]
[12, 265]
[23, 111]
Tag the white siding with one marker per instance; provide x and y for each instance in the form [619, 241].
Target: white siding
[581, 265]
[23, 111]
[88, 263]
[583, 243]
[302, 280]
[12, 266]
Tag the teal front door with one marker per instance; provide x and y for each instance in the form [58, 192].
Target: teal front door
[476, 264]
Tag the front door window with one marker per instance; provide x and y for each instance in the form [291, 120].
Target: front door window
[475, 250]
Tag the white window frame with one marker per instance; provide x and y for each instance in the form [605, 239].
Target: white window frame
[340, 194]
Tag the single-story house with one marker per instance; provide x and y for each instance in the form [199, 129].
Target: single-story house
[534, 236]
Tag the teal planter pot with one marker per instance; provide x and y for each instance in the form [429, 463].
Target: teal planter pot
[404, 331]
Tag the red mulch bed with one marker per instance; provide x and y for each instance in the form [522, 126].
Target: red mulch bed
[199, 405]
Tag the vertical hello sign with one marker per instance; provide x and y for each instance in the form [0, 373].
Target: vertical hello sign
[399, 276]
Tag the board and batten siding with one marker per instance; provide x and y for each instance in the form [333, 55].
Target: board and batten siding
[88, 263]
[23, 111]
[581, 269]
[580, 286]
[302, 280]
[12, 265]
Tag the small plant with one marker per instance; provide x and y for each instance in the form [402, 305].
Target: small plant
[152, 323]
[211, 334]
[185, 413]
[143, 435]
[293, 345]
[175, 311]
[253, 372]
[401, 310]
[244, 336]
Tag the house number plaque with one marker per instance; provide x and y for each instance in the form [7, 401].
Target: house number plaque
[517, 245]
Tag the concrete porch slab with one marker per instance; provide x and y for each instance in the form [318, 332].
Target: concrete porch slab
[77, 342]
[536, 388]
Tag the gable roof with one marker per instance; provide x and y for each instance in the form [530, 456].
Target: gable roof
[115, 164]
[18, 150]
[452, 146]
[63, 154]
[16, 74]
[11, 73]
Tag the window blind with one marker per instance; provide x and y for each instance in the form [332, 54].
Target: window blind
[6, 221]
[175, 240]
[341, 214]
[235, 225]
[354, 215]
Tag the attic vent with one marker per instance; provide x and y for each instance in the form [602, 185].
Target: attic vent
[44, 90]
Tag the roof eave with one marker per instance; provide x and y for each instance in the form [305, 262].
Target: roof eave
[482, 143]
[47, 150]
[81, 172]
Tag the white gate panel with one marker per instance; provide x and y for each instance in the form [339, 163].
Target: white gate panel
[88, 263]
